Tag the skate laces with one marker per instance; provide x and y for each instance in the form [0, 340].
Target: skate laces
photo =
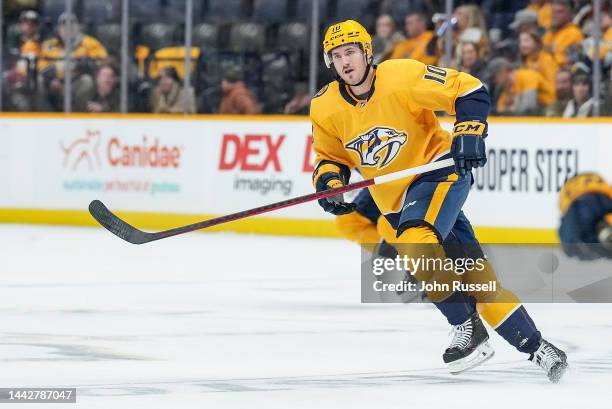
[546, 356]
[462, 334]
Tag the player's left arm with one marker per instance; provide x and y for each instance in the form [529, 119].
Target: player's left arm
[470, 130]
[462, 95]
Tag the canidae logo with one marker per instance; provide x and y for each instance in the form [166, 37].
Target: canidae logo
[379, 146]
[82, 150]
[119, 153]
[147, 154]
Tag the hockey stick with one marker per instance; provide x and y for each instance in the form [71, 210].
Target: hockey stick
[131, 234]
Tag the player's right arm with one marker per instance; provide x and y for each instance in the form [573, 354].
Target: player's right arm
[332, 165]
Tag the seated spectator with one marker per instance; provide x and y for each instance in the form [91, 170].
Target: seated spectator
[563, 35]
[105, 96]
[582, 102]
[518, 91]
[471, 27]
[300, 102]
[168, 97]
[385, 39]
[469, 60]
[563, 92]
[24, 48]
[83, 46]
[468, 25]
[606, 26]
[26, 44]
[236, 99]
[417, 38]
[544, 12]
[525, 20]
[607, 106]
[532, 56]
[605, 48]
[86, 53]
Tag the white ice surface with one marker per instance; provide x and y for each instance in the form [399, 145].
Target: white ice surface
[239, 321]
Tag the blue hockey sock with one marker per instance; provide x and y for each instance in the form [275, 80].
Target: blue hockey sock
[457, 308]
[520, 331]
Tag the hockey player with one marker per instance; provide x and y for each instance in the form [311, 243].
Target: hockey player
[586, 223]
[380, 119]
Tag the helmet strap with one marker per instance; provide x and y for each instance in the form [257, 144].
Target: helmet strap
[365, 76]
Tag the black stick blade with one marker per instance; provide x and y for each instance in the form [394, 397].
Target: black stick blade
[115, 225]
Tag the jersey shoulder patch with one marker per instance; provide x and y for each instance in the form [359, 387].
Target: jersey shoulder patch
[321, 91]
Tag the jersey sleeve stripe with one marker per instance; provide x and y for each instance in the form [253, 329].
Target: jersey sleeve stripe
[471, 90]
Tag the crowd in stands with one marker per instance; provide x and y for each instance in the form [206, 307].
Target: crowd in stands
[251, 56]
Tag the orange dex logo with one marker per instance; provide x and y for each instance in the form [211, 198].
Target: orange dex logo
[82, 150]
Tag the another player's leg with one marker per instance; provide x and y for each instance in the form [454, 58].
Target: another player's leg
[360, 226]
[367, 227]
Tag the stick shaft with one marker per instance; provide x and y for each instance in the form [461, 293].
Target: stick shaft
[133, 235]
[313, 196]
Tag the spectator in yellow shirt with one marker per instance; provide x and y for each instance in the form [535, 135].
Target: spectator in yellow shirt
[26, 42]
[605, 44]
[23, 48]
[519, 91]
[417, 38]
[544, 12]
[86, 53]
[535, 58]
[563, 35]
[53, 51]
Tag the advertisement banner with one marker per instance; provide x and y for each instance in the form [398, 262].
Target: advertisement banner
[216, 166]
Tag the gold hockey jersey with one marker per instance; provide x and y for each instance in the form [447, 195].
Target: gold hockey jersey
[394, 129]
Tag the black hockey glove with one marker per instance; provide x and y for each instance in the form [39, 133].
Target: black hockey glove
[468, 146]
[333, 204]
[329, 175]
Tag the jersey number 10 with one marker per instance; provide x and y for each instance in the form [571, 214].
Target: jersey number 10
[435, 74]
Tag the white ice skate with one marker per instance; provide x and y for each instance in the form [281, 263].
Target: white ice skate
[551, 359]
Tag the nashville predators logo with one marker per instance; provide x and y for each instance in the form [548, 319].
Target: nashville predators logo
[378, 147]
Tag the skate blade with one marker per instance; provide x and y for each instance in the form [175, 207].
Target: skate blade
[483, 353]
